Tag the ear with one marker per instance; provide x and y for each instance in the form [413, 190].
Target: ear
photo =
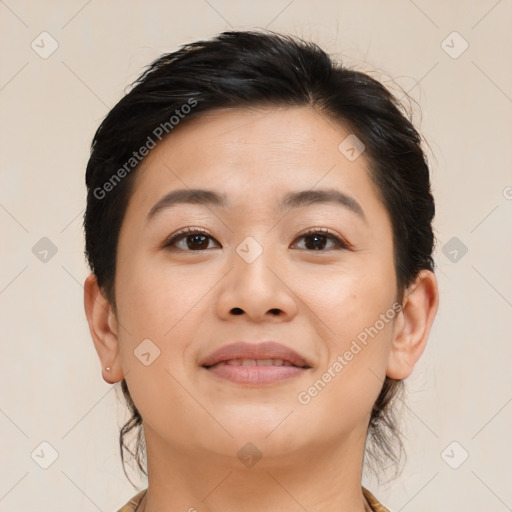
[413, 325]
[103, 327]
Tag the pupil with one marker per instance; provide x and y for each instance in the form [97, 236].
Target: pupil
[195, 238]
[317, 237]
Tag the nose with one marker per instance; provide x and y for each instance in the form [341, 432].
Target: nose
[256, 289]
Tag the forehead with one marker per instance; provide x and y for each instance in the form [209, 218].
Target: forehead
[242, 135]
[253, 155]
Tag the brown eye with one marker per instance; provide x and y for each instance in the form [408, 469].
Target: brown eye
[316, 240]
[193, 239]
[189, 240]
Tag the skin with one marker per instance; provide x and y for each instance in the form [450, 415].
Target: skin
[184, 302]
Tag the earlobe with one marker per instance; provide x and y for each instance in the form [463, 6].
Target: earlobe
[413, 325]
[103, 329]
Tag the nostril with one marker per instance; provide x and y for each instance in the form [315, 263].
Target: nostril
[239, 311]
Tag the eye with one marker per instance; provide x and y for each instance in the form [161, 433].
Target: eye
[194, 239]
[317, 239]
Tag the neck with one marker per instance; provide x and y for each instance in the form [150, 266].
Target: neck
[317, 478]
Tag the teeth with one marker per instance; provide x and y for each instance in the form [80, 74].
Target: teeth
[269, 362]
[255, 362]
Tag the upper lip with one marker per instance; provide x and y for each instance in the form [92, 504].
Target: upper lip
[262, 350]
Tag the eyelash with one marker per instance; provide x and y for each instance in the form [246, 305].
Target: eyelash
[339, 242]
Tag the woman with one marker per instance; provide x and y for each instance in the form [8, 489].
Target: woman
[258, 228]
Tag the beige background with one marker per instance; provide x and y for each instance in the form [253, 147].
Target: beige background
[52, 390]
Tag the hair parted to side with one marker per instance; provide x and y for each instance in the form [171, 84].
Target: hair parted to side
[252, 69]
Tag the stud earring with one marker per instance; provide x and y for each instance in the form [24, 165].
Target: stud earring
[107, 368]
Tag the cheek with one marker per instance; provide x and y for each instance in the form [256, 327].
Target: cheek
[359, 317]
[348, 298]
[153, 297]
[355, 307]
[157, 308]
[170, 306]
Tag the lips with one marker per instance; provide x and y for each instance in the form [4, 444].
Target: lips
[255, 351]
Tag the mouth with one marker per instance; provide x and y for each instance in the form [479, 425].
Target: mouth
[255, 364]
[254, 372]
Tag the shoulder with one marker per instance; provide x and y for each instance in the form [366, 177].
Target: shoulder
[133, 503]
[375, 504]
[372, 500]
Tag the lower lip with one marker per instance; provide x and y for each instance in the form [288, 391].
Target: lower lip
[256, 375]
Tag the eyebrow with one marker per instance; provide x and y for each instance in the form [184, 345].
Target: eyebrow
[291, 200]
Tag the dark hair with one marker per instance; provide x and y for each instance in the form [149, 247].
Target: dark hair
[252, 69]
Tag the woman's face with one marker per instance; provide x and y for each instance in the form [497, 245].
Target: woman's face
[259, 270]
